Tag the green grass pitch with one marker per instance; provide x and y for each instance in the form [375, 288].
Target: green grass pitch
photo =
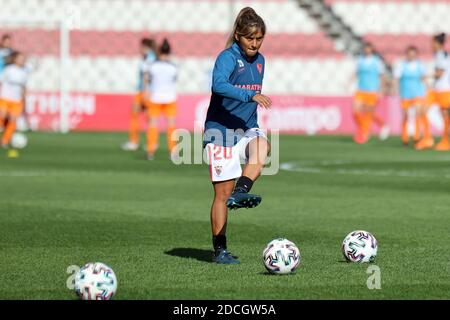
[71, 199]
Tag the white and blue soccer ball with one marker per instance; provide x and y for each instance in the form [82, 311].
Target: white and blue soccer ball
[360, 246]
[19, 140]
[281, 256]
[95, 281]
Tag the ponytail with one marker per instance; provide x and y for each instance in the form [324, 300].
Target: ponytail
[247, 22]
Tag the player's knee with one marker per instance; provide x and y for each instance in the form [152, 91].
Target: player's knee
[263, 147]
[222, 195]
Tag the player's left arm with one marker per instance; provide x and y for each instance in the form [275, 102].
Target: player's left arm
[146, 80]
[424, 77]
[24, 99]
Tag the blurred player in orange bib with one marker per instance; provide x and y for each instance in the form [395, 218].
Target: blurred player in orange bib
[440, 94]
[13, 82]
[162, 99]
[410, 83]
[140, 99]
[370, 75]
[5, 55]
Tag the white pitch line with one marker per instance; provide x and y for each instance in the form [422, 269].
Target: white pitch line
[22, 174]
[316, 168]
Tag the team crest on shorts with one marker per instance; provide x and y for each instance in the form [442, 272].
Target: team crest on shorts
[259, 67]
[218, 170]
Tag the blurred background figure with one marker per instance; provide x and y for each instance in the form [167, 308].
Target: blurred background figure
[13, 81]
[86, 80]
[410, 76]
[162, 93]
[440, 94]
[140, 101]
[5, 50]
[5, 53]
[371, 83]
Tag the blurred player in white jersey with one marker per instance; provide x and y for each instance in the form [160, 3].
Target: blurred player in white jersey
[162, 98]
[440, 94]
[13, 82]
[5, 50]
[147, 49]
[5, 54]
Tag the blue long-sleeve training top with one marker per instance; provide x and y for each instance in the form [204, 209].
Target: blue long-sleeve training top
[236, 79]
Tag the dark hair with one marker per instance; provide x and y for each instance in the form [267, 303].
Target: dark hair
[165, 47]
[412, 48]
[147, 42]
[440, 38]
[12, 57]
[247, 21]
[368, 45]
[6, 36]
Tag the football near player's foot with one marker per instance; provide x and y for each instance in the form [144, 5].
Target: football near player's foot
[130, 146]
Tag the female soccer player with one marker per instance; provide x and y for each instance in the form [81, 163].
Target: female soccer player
[5, 56]
[231, 128]
[371, 81]
[162, 98]
[5, 50]
[410, 83]
[147, 49]
[12, 94]
[440, 94]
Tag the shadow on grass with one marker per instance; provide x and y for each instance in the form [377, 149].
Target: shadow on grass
[192, 253]
[271, 274]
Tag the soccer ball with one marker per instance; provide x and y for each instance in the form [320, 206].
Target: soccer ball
[95, 281]
[360, 246]
[281, 256]
[19, 140]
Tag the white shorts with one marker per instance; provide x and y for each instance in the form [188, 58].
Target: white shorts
[225, 162]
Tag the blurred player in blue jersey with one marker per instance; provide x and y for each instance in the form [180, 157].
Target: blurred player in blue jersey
[148, 53]
[410, 83]
[231, 127]
[371, 82]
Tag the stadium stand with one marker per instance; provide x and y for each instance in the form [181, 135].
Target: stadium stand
[104, 44]
[302, 59]
[393, 25]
